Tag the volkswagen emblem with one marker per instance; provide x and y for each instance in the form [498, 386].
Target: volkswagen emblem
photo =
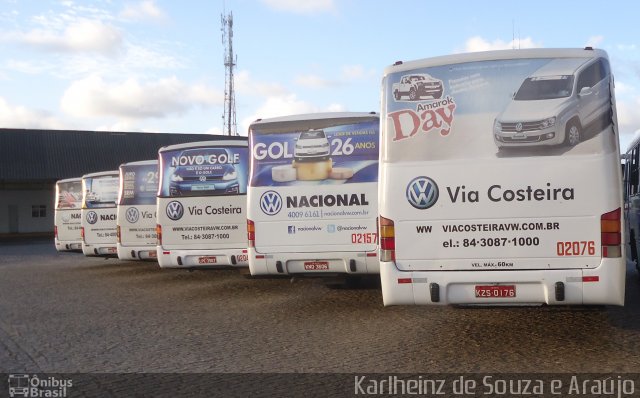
[132, 215]
[175, 210]
[422, 193]
[92, 217]
[270, 203]
[203, 178]
[518, 127]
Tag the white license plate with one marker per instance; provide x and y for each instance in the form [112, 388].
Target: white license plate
[316, 265]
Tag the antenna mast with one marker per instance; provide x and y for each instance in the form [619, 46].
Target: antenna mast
[229, 126]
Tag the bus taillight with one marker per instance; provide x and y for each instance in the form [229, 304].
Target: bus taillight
[251, 233]
[55, 231]
[159, 234]
[387, 240]
[82, 234]
[610, 234]
[118, 236]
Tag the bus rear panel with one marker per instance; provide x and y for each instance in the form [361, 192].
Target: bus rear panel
[99, 213]
[502, 189]
[201, 205]
[137, 211]
[313, 195]
[68, 215]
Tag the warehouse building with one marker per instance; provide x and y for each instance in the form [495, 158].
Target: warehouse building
[31, 161]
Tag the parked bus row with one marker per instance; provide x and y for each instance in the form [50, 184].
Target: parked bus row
[487, 178]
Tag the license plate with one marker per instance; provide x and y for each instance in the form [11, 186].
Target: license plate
[495, 291]
[207, 260]
[112, 249]
[519, 136]
[316, 265]
[153, 254]
[208, 187]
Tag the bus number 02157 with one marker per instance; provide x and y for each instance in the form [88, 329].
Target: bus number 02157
[369, 237]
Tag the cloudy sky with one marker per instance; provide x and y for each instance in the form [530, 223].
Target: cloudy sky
[157, 65]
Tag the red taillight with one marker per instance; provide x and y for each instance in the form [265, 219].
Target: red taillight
[387, 240]
[82, 233]
[118, 236]
[590, 278]
[159, 234]
[55, 231]
[610, 234]
[251, 233]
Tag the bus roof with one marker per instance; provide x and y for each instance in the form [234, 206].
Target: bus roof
[236, 142]
[310, 120]
[140, 163]
[114, 173]
[74, 179]
[496, 55]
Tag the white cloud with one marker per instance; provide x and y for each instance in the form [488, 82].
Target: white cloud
[315, 81]
[301, 7]
[15, 116]
[144, 10]
[628, 115]
[78, 36]
[245, 84]
[594, 41]
[283, 106]
[133, 99]
[478, 43]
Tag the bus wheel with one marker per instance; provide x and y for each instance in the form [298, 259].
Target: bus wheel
[572, 133]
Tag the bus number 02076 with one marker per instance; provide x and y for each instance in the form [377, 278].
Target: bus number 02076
[576, 248]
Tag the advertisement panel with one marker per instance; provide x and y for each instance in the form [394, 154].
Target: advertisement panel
[204, 172]
[69, 195]
[139, 184]
[101, 192]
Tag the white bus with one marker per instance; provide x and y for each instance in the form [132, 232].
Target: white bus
[99, 212]
[503, 190]
[202, 204]
[312, 201]
[136, 220]
[632, 199]
[68, 215]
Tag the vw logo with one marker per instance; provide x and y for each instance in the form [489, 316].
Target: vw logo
[175, 210]
[422, 193]
[92, 217]
[518, 127]
[270, 203]
[132, 215]
[203, 178]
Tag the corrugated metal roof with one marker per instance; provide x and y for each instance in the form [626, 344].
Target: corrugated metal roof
[50, 155]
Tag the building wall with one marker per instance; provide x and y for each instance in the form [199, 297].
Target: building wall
[16, 211]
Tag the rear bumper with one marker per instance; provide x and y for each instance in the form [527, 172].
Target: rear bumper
[602, 285]
[190, 259]
[294, 263]
[100, 249]
[142, 252]
[68, 245]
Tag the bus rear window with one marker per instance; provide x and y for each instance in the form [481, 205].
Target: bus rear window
[203, 172]
[139, 184]
[100, 192]
[69, 195]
